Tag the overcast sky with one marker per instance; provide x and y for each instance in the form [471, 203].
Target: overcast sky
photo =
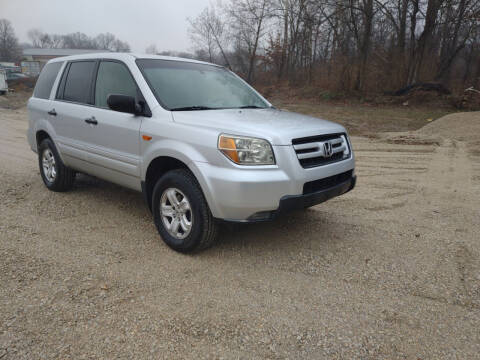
[139, 22]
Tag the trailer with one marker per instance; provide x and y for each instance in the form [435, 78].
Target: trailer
[3, 82]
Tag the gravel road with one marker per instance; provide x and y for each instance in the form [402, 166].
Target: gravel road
[388, 271]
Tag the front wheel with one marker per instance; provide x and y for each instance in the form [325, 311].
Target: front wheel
[181, 213]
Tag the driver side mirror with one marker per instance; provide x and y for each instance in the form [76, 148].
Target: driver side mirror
[125, 104]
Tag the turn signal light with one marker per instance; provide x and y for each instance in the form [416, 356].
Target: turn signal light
[228, 147]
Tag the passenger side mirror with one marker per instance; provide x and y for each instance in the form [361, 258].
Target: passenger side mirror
[125, 104]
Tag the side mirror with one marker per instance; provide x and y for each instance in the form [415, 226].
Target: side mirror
[124, 103]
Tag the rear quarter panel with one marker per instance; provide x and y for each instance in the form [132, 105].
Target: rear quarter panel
[38, 119]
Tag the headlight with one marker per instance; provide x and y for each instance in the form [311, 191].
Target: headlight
[246, 150]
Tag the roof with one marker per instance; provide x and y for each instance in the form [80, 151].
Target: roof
[59, 52]
[126, 56]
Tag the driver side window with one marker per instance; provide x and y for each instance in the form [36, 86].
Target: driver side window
[113, 78]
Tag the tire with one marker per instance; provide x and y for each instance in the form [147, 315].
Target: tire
[203, 227]
[63, 177]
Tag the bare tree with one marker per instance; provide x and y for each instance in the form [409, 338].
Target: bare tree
[105, 41]
[38, 38]
[151, 49]
[56, 41]
[248, 19]
[78, 40]
[208, 30]
[459, 23]
[363, 35]
[424, 41]
[361, 45]
[120, 46]
[9, 48]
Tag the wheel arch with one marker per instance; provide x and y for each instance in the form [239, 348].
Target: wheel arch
[161, 164]
[41, 135]
[45, 131]
[156, 168]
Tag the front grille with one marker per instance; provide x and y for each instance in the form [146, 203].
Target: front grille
[311, 150]
[326, 183]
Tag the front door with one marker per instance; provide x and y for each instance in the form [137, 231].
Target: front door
[114, 141]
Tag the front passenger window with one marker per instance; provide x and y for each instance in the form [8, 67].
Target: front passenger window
[113, 78]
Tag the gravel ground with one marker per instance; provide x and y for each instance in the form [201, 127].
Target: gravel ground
[388, 271]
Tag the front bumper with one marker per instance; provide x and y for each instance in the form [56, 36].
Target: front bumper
[295, 202]
[246, 194]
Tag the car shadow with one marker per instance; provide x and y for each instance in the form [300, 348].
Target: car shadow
[297, 229]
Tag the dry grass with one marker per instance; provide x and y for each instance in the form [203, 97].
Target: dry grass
[15, 99]
[366, 119]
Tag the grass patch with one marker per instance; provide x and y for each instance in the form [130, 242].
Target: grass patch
[365, 119]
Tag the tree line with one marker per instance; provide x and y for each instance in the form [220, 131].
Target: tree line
[78, 40]
[344, 45]
[11, 49]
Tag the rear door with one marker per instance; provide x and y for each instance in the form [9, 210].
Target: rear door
[72, 105]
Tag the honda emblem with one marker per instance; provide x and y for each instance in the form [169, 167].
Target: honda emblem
[327, 149]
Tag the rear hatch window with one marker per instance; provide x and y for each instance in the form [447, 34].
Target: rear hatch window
[46, 79]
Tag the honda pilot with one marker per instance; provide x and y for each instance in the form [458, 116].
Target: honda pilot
[199, 142]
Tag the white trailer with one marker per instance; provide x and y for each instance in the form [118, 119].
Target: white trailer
[3, 82]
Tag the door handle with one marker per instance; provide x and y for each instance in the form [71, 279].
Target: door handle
[91, 121]
[52, 112]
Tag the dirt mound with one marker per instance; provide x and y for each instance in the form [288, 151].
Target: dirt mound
[412, 138]
[459, 126]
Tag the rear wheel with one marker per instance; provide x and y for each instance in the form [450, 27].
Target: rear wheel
[55, 175]
[181, 213]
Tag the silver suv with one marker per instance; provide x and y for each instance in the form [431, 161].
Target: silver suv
[194, 138]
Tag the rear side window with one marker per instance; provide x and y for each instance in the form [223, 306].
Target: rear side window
[46, 79]
[78, 82]
[113, 78]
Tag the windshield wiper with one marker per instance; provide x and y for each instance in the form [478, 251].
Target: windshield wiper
[190, 108]
[251, 107]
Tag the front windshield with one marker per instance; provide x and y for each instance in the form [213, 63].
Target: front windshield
[180, 85]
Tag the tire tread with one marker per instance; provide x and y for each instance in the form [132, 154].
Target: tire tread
[210, 225]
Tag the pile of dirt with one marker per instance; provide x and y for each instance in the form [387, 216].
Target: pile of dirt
[463, 126]
[459, 126]
[411, 138]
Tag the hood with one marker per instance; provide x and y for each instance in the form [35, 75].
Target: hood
[277, 126]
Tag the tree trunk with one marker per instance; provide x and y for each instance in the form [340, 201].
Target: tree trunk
[365, 43]
[424, 40]
[283, 59]
[413, 29]
[451, 48]
[217, 40]
[253, 53]
[402, 27]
